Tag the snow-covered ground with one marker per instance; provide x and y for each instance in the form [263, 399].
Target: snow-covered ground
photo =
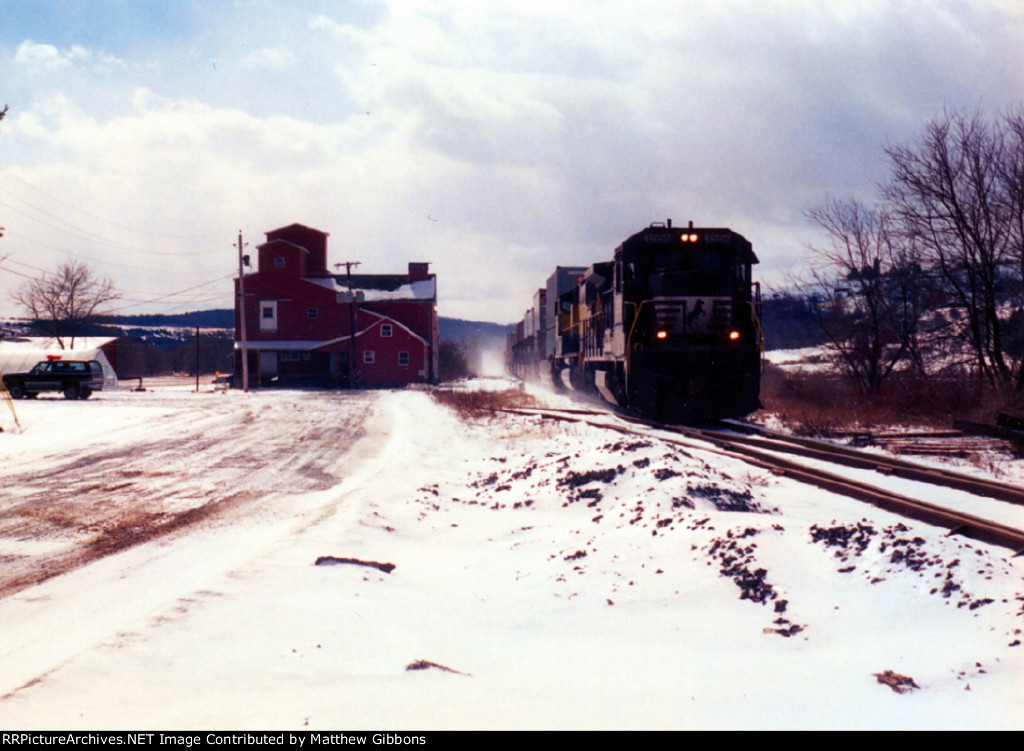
[159, 565]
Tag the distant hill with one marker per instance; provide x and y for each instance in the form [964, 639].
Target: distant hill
[160, 344]
[204, 319]
[785, 319]
[788, 324]
[469, 333]
[451, 328]
[474, 334]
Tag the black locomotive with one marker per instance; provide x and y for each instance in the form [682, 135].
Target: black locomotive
[669, 328]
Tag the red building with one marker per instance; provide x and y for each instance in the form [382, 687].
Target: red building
[299, 319]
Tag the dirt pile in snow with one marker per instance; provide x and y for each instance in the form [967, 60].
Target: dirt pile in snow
[958, 572]
[645, 494]
[624, 493]
[641, 483]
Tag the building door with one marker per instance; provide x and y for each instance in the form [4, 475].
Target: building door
[268, 364]
[339, 369]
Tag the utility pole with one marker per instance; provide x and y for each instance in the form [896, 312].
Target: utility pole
[197, 358]
[353, 373]
[241, 316]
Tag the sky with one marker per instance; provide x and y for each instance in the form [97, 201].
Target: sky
[494, 143]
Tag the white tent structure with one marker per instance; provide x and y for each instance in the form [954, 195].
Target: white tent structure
[20, 354]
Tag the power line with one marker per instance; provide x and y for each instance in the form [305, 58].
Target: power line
[94, 259]
[100, 218]
[158, 298]
[89, 237]
[135, 302]
[43, 272]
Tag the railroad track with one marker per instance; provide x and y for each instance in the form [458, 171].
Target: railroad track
[765, 449]
[757, 436]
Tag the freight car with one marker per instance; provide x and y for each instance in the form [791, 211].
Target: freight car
[668, 328]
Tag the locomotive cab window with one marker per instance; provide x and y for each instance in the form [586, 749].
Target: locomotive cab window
[742, 273]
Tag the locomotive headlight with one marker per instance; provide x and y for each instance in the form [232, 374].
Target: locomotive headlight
[734, 336]
[662, 335]
[688, 238]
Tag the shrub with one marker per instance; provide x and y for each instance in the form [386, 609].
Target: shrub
[475, 404]
[451, 361]
[825, 405]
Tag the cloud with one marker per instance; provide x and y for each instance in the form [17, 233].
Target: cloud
[271, 58]
[46, 58]
[40, 56]
[536, 135]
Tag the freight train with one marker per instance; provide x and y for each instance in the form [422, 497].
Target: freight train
[669, 328]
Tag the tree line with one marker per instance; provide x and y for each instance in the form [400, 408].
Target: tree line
[927, 277]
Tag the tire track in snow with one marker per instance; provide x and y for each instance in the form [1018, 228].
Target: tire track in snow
[186, 469]
[260, 497]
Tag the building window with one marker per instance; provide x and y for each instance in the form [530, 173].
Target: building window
[403, 359]
[386, 330]
[279, 263]
[368, 356]
[290, 356]
[312, 313]
[268, 315]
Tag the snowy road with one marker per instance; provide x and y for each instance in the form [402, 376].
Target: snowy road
[159, 572]
[90, 478]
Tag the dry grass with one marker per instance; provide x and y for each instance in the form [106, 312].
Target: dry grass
[825, 405]
[473, 405]
[809, 403]
[58, 517]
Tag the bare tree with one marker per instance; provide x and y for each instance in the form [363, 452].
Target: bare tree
[1012, 177]
[62, 302]
[871, 292]
[956, 193]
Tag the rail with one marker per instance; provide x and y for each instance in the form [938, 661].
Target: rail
[763, 454]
